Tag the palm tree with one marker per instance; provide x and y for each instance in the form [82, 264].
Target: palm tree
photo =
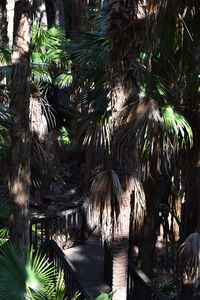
[113, 189]
[140, 130]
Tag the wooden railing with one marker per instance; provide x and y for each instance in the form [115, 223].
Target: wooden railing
[55, 255]
[139, 286]
[71, 226]
[67, 228]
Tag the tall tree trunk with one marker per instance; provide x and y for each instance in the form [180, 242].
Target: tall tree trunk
[121, 249]
[20, 135]
[3, 21]
[10, 19]
[124, 52]
[55, 13]
[79, 14]
[39, 7]
[149, 234]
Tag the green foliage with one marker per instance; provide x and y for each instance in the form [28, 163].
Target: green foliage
[90, 57]
[49, 56]
[64, 80]
[29, 277]
[64, 136]
[104, 296]
[177, 128]
[168, 286]
[4, 220]
[5, 55]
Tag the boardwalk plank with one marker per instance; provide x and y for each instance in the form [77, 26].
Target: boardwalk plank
[88, 260]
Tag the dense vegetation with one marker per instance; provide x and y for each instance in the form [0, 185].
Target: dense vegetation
[129, 73]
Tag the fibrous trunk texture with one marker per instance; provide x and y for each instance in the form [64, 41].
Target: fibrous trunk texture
[20, 135]
[123, 32]
[121, 249]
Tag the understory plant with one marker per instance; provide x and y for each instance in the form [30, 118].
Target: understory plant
[30, 277]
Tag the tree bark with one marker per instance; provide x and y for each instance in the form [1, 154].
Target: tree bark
[121, 249]
[3, 22]
[39, 7]
[55, 13]
[20, 135]
[148, 238]
[124, 52]
[10, 19]
[79, 14]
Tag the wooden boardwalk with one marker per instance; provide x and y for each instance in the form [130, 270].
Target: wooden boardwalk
[88, 262]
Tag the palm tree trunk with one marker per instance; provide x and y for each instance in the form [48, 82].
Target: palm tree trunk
[149, 234]
[20, 101]
[124, 37]
[120, 250]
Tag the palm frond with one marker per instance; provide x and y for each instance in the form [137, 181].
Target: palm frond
[42, 171]
[64, 80]
[156, 134]
[12, 273]
[5, 55]
[177, 128]
[140, 129]
[40, 277]
[106, 202]
[189, 258]
[40, 75]
[30, 276]
[139, 205]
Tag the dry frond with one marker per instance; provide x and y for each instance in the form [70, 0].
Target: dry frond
[139, 209]
[189, 257]
[141, 130]
[106, 202]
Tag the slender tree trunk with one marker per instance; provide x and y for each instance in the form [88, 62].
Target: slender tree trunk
[10, 19]
[121, 250]
[124, 52]
[79, 14]
[3, 21]
[39, 7]
[55, 13]
[20, 135]
[150, 228]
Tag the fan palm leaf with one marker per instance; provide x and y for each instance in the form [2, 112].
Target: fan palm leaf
[189, 258]
[106, 202]
[29, 277]
[5, 55]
